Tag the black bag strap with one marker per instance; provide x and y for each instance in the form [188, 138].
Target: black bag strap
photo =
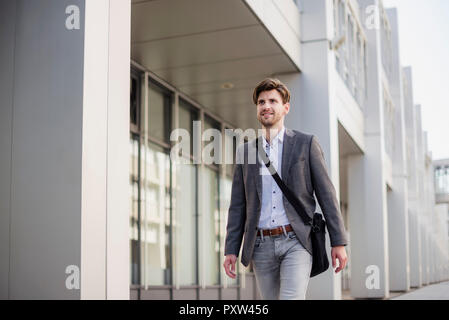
[286, 190]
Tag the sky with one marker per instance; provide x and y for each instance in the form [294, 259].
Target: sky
[424, 45]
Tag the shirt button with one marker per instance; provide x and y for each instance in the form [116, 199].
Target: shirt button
[274, 207]
[274, 191]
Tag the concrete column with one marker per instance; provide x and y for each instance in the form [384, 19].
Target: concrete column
[368, 220]
[399, 267]
[425, 251]
[105, 237]
[42, 108]
[358, 222]
[441, 211]
[398, 197]
[65, 120]
[412, 180]
[427, 210]
[368, 217]
[7, 37]
[437, 261]
[429, 255]
[420, 195]
[434, 219]
[312, 111]
[415, 249]
[433, 253]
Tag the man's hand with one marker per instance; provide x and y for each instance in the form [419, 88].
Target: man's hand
[229, 265]
[339, 253]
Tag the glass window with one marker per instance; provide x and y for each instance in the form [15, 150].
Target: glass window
[437, 179]
[342, 50]
[385, 41]
[159, 104]
[211, 223]
[185, 224]
[341, 19]
[388, 124]
[134, 106]
[337, 33]
[230, 150]
[350, 54]
[187, 114]
[365, 64]
[350, 57]
[225, 202]
[359, 71]
[156, 216]
[336, 26]
[167, 234]
[133, 102]
[134, 205]
[212, 143]
[446, 180]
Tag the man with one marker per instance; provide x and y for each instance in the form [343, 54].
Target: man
[276, 240]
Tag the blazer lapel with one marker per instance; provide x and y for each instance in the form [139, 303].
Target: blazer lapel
[288, 146]
[254, 170]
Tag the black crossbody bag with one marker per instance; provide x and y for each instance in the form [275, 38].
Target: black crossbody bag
[319, 257]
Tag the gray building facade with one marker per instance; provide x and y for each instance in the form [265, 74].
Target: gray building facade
[92, 205]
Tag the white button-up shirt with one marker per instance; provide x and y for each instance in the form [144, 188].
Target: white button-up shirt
[272, 208]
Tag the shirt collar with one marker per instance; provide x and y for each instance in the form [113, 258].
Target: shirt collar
[278, 138]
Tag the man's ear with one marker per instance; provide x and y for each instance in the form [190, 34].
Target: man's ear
[287, 106]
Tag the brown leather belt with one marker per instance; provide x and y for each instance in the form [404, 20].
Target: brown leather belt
[275, 231]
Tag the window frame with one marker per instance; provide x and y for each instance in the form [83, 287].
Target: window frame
[149, 78]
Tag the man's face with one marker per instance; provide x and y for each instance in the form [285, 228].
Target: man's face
[270, 109]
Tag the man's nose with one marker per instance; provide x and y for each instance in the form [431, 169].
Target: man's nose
[267, 106]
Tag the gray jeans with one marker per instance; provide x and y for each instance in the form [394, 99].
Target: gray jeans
[282, 267]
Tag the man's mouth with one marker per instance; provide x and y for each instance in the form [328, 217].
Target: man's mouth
[267, 114]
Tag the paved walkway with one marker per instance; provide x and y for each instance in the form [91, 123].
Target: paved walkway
[438, 291]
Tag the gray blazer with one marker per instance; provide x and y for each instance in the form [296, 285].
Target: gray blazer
[304, 172]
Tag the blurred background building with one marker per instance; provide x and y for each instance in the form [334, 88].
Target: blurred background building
[92, 90]
[441, 168]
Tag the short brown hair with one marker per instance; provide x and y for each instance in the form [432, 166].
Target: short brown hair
[269, 84]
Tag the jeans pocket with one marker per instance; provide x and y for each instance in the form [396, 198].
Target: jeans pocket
[258, 242]
[292, 236]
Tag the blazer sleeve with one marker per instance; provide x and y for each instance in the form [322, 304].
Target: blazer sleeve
[237, 210]
[326, 195]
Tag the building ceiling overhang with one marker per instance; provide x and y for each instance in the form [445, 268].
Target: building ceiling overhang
[214, 51]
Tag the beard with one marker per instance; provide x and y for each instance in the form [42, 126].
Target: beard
[269, 121]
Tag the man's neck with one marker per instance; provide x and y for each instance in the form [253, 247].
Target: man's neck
[271, 133]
